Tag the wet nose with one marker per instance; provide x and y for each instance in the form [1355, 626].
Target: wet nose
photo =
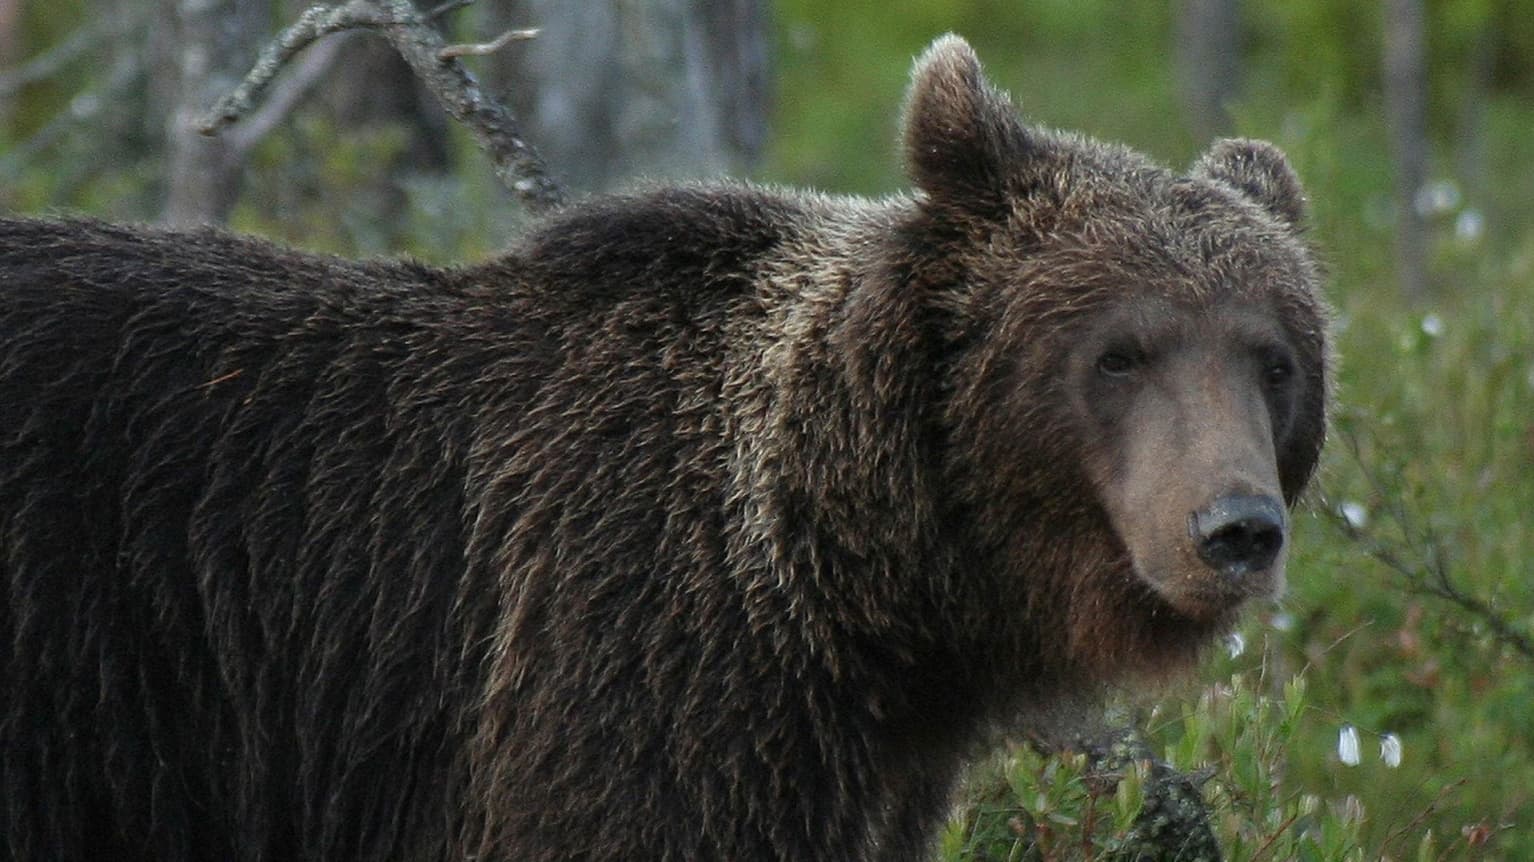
[1239, 533]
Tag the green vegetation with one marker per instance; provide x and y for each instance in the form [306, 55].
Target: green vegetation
[1411, 608]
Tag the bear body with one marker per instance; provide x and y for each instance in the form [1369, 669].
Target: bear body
[710, 522]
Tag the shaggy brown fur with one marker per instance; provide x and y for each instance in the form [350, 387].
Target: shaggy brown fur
[708, 523]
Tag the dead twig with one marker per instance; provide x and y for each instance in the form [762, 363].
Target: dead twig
[480, 49]
[286, 94]
[314, 23]
[515, 161]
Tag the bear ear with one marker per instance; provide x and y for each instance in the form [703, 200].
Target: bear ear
[962, 138]
[1259, 171]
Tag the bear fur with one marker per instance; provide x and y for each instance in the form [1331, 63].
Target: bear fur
[712, 522]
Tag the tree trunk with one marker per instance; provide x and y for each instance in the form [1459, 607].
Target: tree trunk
[1208, 48]
[1406, 113]
[611, 90]
[215, 43]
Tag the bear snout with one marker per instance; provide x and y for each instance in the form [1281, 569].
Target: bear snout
[1239, 534]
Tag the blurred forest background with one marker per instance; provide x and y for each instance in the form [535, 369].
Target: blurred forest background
[1386, 709]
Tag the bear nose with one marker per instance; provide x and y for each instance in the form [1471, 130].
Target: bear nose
[1239, 533]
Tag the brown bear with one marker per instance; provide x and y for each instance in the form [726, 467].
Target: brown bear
[712, 522]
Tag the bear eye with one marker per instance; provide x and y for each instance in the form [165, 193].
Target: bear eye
[1277, 371]
[1115, 363]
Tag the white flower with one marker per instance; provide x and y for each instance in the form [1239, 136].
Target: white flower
[1355, 514]
[1432, 325]
[1236, 644]
[1469, 225]
[1283, 621]
[1390, 750]
[1347, 745]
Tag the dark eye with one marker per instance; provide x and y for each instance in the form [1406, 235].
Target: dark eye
[1277, 372]
[1115, 363]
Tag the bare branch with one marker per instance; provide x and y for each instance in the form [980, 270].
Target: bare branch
[314, 23]
[516, 163]
[483, 48]
[287, 93]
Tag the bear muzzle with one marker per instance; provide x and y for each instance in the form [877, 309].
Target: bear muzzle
[1233, 553]
[1239, 534]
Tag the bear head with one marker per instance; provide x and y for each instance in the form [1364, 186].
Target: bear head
[1137, 362]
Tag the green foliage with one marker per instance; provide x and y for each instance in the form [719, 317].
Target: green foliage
[843, 69]
[324, 187]
[45, 24]
[1241, 732]
[314, 184]
[1433, 456]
